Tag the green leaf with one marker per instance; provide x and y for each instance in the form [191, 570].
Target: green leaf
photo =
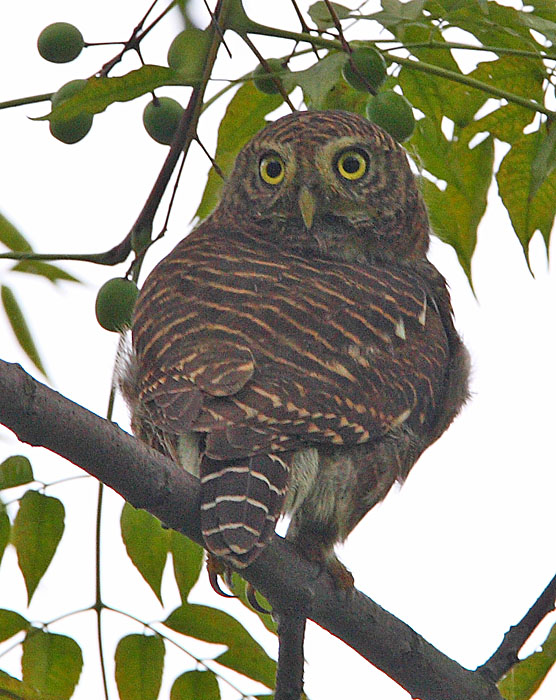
[195, 685]
[244, 117]
[411, 10]
[244, 655]
[544, 8]
[15, 471]
[343, 96]
[100, 93]
[14, 688]
[525, 678]
[434, 95]
[494, 25]
[11, 623]
[20, 327]
[320, 14]
[395, 14]
[146, 543]
[544, 161]
[12, 238]
[506, 123]
[317, 81]
[37, 530]
[541, 25]
[239, 588]
[455, 213]
[53, 273]
[518, 75]
[139, 665]
[531, 206]
[51, 663]
[188, 558]
[5, 529]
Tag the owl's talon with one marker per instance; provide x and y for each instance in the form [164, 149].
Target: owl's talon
[251, 595]
[216, 569]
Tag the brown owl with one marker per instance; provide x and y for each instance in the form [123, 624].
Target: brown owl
[296, 351]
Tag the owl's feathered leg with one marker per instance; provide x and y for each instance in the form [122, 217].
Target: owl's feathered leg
[322, 553]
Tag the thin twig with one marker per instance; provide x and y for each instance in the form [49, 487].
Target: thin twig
[304, 25]
[217, 28]
[264, 62]
[217, 168]
[185, 133]
[506, 654]
[136, 36]
[347, 47]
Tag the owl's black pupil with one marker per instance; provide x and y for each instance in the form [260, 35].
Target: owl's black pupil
[274, 168]
[351, 164]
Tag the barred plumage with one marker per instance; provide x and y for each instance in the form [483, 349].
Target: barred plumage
[299, 359]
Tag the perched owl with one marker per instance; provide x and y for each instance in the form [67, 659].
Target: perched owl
[296, 351]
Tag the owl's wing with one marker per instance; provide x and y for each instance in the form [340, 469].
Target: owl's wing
[264, 353]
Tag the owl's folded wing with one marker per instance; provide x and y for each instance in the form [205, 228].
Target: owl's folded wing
[274, 354]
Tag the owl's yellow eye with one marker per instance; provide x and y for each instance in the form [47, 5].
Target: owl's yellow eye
[352, 165]
[272, 169]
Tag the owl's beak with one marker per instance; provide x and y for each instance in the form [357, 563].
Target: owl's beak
[307, 205]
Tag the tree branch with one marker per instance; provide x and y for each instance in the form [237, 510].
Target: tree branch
[40, 416]
[506, 654]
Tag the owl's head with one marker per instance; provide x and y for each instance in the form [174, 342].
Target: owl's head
[328, 182]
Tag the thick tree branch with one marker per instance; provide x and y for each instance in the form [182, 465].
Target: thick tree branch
[40, 416]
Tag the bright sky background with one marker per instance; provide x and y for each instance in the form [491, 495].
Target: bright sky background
[460, 553]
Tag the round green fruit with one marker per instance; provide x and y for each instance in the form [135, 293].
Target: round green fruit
[393, 113]
[60, 42]
[74, 129]
[262, 79]
[371, 69]
[115, 302]
[161, 118]
[187, 53]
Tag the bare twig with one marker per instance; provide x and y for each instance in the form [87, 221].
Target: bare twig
[304, 26]
[264, 62]
[132, 44]
[347, 47]
[506, 654]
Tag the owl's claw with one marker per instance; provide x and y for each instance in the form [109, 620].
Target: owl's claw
[216, 569]
[251, 595]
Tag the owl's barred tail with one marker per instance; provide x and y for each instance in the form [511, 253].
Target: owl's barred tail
[241, 500]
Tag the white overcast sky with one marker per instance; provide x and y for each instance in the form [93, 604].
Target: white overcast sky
[460, 553]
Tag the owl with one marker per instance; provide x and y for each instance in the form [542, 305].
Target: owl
[297, 351]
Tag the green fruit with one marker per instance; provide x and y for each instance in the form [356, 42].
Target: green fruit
[115, 302]
[161, 118]
[60, 42]
[74, 129]
[370, 66]
[393, 113]
[187, 53]
[262, 80]
[68, 90]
